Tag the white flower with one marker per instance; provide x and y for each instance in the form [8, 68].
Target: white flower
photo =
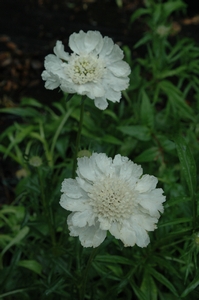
[95, 68]
[111, 194]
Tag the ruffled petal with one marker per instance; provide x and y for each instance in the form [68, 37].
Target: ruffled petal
[103, 164]
[59, 51]
[52, 81]
[90, 236]
[82, 218]
[73, 204]
[76, 42]
[91, 89]
[146, 183]
[101, 103]
[120, 69]
[107, 47]
[112, 95]
[52, 63]
[128, 236]
[116, 83]
[152, 201]
[93, 40]
[86, 168]
[115, 55]
[71, 187]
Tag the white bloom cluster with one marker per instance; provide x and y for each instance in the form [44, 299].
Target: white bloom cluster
[111, 194]
[95, 68]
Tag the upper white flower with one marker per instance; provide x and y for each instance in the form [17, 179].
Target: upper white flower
[95, 68]
[111, 194]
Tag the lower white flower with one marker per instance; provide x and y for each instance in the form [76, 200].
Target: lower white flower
[111, 194]
[95, 68]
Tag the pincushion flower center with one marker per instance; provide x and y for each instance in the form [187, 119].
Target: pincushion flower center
[112, 198]
[84, 68]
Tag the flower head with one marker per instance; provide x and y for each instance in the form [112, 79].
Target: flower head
[111, 194]
[95, 68]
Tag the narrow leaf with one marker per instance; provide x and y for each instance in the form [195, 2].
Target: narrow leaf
[32, 265]
[187, 162]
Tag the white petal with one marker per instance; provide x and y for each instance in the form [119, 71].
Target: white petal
[52, 63]
[73, 204]
[116, 83]
[92, 40]
[104, 223]
[76, 42]
[146, 183]
[113, 95]
[142, 238]
[81, 219]
[119, 160]
[86, 168]
[52, 81]
[59, 51]
[152, 201]
[115, 230]
[71, 187]
[101, 103]
[107, 47]
[84, 184]
[120, 69]
[144, 221]
[103, 163]
[90, 236]
[91, 89]
[127, 236]
[68, 87]
[115, 55]
[126, 171]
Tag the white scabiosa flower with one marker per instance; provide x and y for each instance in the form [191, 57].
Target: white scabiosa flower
[111, 194]
[95, 68]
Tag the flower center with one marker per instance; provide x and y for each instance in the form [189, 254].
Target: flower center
[83, 69]
[112, 198]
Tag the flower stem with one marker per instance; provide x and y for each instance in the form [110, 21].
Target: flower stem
[47, 210]
[78, 136]
[85, 274]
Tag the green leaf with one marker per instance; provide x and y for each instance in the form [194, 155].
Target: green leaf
[32, 265]
[139, 294]
[150, 154]
[171, 6]
[162, 279]
[22, 112]
[176, 221]
[17, 239]
[30, 101]
[114, 259]
[138, 13]
[140, 132]
[111, 140]
[149, 288]
[145, 39]
[191, 287]
[179, 107]
[146, 111]
[187, 162]
[169, 73]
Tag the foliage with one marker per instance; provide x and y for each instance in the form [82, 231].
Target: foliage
[156, 125]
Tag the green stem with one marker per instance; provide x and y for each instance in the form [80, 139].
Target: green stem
[78, 137]
[85, 274]
[47, 209]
